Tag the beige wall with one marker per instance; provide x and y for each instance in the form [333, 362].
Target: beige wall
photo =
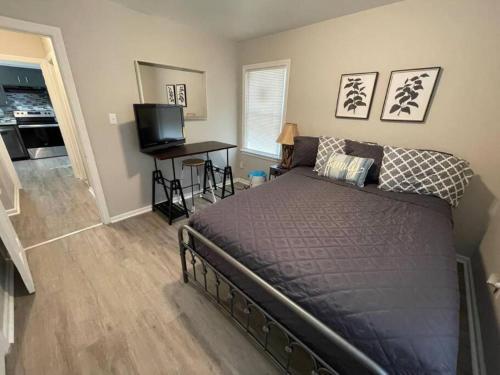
[7, 184]
[485, 262]
[7, 191]
[461, 36]
[102, 40]
[155, 78]
[20, 44]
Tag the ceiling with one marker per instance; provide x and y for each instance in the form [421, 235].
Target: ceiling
[246, 19]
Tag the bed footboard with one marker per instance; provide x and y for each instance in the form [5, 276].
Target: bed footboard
[287, 351]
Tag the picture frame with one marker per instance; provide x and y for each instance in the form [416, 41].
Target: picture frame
[356, 90]
[181, 94]
[409, 94]
[171, 95]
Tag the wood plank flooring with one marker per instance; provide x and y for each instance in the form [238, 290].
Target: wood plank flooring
[110, 301]
[53, 202]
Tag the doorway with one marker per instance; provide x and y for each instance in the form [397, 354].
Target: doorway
[50, 191]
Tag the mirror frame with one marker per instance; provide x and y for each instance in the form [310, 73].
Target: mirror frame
[137, 65]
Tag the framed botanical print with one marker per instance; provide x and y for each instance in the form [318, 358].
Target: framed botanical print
[355, 95]
[171, 97]
[409, 94]
[181, 94]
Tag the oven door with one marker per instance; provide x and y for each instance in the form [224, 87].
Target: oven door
[13, 142]
[42, 140]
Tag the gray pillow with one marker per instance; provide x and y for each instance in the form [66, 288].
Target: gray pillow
[326, 146]
[424, 172]
[367, 150]
[304, 151]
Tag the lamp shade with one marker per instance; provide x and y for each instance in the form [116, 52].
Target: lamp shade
[288, 133]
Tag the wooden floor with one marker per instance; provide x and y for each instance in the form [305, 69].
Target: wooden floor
[110, 301]
[52, 201]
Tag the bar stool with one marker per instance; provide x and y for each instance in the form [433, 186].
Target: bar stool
[195, 164]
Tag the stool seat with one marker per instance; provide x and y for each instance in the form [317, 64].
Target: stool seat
[193, 162]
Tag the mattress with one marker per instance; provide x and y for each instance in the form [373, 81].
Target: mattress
[378, 268]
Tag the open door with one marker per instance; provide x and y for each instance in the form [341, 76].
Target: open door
[14, 248]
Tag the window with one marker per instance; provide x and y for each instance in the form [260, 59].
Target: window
[264, 104]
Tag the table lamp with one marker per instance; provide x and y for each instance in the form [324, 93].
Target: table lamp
[288, 132]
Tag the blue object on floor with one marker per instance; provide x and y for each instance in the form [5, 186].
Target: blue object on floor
[257, 177]
[256, 173]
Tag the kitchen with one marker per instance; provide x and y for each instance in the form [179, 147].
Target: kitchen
[51, 200]
[28, 124]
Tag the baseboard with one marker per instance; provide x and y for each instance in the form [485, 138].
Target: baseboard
[129, 214]
[476, 342]
[7, 329]
[143, 210]
[16, 210]
[8, 304]
[242, 181]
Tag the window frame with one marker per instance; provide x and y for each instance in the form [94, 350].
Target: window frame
[262, 66]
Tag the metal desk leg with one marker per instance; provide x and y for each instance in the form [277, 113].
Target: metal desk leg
[183, 201]
[153, 196]
[223, 195]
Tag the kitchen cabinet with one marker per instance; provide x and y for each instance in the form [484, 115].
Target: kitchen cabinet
[13, 76]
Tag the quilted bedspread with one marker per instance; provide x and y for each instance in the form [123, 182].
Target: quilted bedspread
[378, 268]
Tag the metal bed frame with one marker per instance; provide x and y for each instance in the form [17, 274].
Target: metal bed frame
[254, 320]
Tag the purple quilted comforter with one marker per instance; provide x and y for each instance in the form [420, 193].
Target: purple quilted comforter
[379, 268]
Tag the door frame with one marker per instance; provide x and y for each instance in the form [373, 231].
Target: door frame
[15, 250]
[55, 34]
[63, 112]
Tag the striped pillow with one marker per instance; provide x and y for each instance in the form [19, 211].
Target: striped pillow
[350, 169]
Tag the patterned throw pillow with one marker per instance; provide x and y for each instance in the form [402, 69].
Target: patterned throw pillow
[350, 169]
[326, 146]
[424, 172]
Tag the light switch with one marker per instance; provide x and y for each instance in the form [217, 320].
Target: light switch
[113, 119]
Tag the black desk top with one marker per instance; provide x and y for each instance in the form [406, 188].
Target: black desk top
[190, 149]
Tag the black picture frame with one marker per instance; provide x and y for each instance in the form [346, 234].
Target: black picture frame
[394, 103]
[171, 90]
[350, 79]
[180, 89]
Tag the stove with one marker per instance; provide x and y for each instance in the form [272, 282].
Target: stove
[40, 133]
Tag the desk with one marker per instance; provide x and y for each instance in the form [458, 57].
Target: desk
[175, 210]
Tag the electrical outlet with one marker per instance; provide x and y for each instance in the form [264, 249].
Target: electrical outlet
[242, 165]
[113, 119]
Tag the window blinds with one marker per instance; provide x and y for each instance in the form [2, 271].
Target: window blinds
[264, 107]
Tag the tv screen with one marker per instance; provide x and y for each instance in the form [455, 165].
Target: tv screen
[158, 124]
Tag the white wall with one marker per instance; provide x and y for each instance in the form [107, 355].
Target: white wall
[461, 36]
[102, 40]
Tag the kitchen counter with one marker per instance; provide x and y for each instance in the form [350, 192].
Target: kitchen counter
[7, 121]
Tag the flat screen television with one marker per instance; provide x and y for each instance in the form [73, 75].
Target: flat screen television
[159, 125]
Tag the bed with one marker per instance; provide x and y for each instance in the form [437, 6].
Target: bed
[362, 280]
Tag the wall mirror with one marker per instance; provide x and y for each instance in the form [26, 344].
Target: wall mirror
[167, 84]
